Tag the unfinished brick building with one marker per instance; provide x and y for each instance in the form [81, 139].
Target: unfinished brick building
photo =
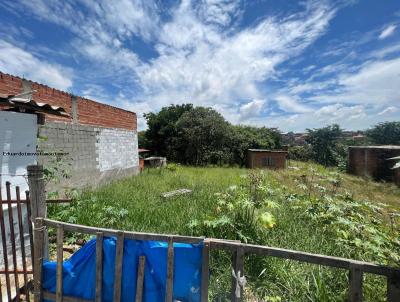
[100, 141]
[373, 161]
[266, 159]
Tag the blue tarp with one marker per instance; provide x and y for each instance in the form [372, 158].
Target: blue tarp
[79, 271]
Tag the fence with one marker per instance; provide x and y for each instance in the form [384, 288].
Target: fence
[356, 268]
[16, 233]
[10, 231]
[36, 199]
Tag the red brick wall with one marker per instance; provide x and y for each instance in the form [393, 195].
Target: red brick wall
[372, 162]
[89, 112]
[93, 113]
[9, 84]
[256, 160]
[356, 161]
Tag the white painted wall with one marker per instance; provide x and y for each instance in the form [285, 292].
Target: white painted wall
[117, 149]
[18, 133]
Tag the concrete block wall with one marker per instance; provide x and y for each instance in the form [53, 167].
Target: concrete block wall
[95, 155]
[115, 148]
[100, 140]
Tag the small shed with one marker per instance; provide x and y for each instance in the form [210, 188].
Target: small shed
[373, 161]
[266, 159]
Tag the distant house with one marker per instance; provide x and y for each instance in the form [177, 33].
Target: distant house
[98, 141]
[374, 161]
[266, 159]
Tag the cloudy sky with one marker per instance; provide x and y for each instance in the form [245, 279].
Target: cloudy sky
[286, 64]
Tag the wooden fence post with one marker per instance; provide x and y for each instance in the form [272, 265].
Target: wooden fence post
[355, 284]
[38, 261]
[37, 196]
[237, 275]
[205, 271]
[393, 287]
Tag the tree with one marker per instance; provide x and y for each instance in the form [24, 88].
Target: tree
[325, 146]
[387, 133]
[201, 136]
[143, 142]
[161, 134]
[247, 137]
[204, 133]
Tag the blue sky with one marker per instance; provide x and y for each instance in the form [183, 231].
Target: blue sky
[287, 64]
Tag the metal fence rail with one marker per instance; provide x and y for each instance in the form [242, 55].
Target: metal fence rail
[13, 235]
[17, 251]
[356, 268]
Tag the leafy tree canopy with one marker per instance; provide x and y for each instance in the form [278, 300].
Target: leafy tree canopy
[387, 133]
[201, 136]
[325, 146]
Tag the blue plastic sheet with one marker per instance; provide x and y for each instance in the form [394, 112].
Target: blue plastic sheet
[79, 271]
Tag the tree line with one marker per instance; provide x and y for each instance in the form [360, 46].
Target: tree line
[201, 136]
[328, 145]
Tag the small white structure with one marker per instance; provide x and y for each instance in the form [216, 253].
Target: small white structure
[18, 137]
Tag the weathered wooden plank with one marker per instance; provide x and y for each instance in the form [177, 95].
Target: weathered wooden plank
[5, 253]
[15, 201]
[306, 257]
[12, 239]
[22, 240]
[205, 267]
[175, 193]
[38, 200]
[237, 274]
[119, 253]
[140, 279]
[52, 297]
[170, 271]
[56, 201]
[393, 288]
[355, 284]
[128, 235]
[59, 286]
[99, 266]
[38, 248]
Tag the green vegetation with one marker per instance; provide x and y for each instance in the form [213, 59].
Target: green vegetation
[307, 208]
[326, 149]
[200, 136]
[327, 145]
[386, 133]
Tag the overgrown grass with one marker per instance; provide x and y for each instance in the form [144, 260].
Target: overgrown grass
[294, 208]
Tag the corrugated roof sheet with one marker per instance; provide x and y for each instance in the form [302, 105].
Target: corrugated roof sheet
[22, 101]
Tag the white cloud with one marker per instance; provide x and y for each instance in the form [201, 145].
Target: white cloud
[220, 12]
[199, 63]
[251, 109]
[17, 61]
[390, 109]
[337, 112]
[376, 82]
[290, 104]
[127, 18]
[101, 31]
[388, 31]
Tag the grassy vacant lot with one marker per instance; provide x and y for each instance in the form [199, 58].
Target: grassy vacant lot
[307, 208]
